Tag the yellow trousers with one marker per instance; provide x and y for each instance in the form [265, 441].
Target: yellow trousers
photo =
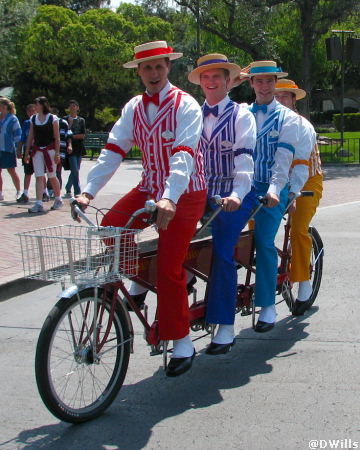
[300, 238]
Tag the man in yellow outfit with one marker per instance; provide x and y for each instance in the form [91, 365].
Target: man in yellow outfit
[287, 93]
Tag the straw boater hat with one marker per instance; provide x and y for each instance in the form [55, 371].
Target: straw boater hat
[263, 68]
[290, 86]
[151, 50]
[213, 61]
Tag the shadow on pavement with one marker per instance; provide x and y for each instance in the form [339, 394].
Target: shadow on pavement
[333, 172]
[20, 287]
[139, 407]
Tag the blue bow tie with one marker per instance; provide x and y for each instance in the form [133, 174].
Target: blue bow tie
[207, 110]
[255, 108]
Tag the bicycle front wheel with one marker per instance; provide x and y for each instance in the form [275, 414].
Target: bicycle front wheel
[82, 356]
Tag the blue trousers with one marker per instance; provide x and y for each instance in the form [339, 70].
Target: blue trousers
[222, 292]
[73, 180]
[267, 222]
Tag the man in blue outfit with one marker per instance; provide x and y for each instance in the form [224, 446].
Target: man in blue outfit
[278, 136]
[228, 140]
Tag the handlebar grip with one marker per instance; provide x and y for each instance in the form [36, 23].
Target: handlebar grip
[217, 199]
[76, 212]
[262, 200]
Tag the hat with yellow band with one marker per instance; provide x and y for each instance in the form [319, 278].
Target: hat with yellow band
[263, 68]
[290, 86]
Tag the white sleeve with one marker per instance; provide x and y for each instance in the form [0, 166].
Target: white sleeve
[189, 126]
[119, 142]
[300, 172]
[243, 175]
[121, 137]
[181, 167]
[105, 167]
[245, 143]
[287, 142]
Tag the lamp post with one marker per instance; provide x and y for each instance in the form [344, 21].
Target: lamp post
[342, 61]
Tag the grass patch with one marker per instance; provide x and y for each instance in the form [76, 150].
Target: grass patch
[330, 152]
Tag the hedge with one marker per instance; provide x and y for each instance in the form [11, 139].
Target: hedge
[351, 121]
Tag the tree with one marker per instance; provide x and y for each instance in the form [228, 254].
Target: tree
[14, 14]
[250, 24]
[316, 18]
[78, 6]
[65, 55]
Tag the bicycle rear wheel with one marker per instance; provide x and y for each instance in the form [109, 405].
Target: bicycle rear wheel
[289, 289]
[79, 372]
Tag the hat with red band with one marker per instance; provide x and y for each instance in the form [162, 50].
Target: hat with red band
[151, 50]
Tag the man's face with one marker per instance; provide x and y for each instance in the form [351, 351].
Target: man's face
[154, 74]
[214, 84]
[73, 108]
[264, 87]
[286, 98]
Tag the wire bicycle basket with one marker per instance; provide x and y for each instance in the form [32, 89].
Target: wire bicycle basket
[80, 254]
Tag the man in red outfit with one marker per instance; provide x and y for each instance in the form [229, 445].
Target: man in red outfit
[166, 124]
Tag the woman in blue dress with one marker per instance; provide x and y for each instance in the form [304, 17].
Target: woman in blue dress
[10, 134]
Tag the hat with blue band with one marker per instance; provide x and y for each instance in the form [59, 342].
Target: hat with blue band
[213, 61]
[263, 68]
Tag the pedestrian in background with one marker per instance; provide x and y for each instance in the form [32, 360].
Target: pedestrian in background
[65, 149]
[10, 134]
[28, 167]
[78, 129]
[44, 142]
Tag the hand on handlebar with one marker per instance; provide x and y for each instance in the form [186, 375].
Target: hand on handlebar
[166, 210]
[272, 200]
[231, 204]
[82, 202]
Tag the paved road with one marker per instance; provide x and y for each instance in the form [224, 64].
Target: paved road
[298, 383]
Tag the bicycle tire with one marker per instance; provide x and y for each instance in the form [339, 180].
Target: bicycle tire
[73, 386]
[316, 268]
[316, 263]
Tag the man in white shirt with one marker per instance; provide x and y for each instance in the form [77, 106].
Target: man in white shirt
[227, 143]
[287, 93]
[277, 139]
[165, 123]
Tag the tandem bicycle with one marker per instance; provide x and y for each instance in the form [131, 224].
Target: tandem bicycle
[85, 343]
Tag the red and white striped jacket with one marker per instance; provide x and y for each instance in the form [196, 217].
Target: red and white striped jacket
[174, 131]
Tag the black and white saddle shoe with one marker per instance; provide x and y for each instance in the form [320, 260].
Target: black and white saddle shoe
[178, 366]
[300, 307]
[263, 327]
[219, 349]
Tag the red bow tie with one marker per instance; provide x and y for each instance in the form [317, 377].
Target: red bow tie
[148, 99]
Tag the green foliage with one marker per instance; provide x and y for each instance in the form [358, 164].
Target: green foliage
[14, 15]
[106, 117]
[351, 121]
[79, 6]
[65, 55]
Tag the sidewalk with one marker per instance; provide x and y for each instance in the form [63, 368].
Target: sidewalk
[14, 217]
[342, 184]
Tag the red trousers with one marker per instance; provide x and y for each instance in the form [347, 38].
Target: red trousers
[173, 307]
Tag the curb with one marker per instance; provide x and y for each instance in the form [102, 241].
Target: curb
[20, 286]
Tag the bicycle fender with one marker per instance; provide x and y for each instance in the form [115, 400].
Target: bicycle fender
[74, 289]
